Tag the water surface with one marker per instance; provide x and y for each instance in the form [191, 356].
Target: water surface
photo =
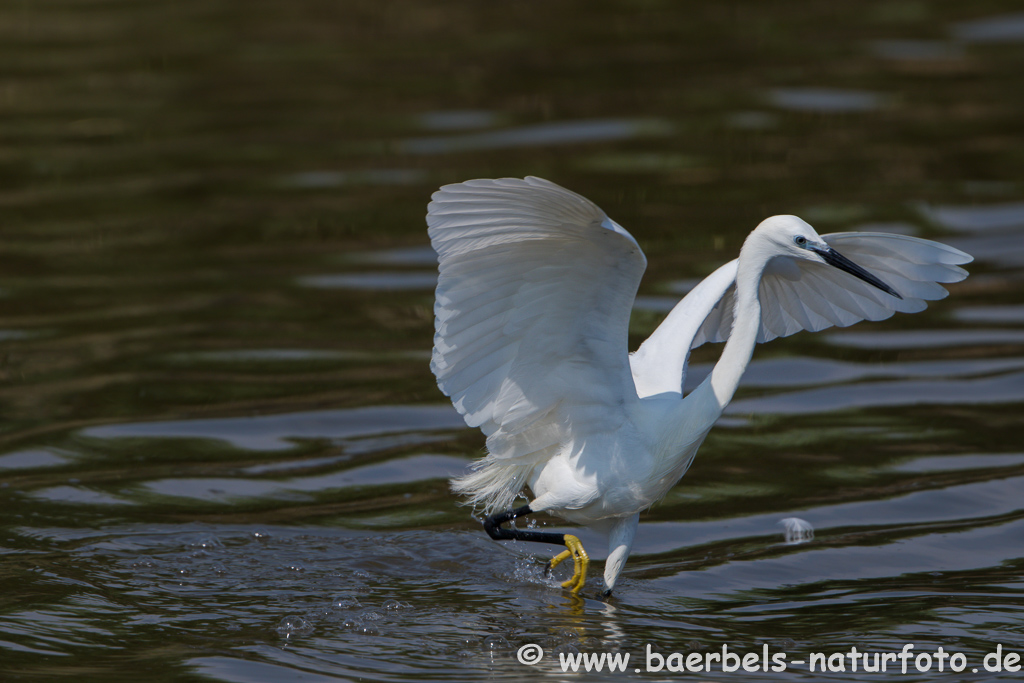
[223, 456]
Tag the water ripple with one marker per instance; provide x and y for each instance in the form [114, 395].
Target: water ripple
[555, 133]
[277, 432]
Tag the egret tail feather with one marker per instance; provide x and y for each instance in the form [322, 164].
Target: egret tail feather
[492, 484]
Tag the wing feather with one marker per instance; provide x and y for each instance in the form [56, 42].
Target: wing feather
[821, 296]
[801, 295]
[532, 308]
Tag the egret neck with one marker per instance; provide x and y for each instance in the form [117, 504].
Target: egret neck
[698, 412]
[736, 355]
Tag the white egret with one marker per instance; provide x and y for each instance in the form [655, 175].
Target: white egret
[534, 294]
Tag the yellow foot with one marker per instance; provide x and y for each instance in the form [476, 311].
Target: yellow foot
[580, 563]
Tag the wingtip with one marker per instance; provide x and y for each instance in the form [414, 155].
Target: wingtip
[967, 258]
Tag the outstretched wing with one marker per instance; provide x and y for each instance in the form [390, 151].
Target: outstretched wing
[805, 295]
[800, 295]
[534, 293]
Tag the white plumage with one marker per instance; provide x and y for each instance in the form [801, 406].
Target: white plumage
[534, 295]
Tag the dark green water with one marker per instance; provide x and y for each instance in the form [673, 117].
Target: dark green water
[223, 455]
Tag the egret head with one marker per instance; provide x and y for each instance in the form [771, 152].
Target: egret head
[790, 237]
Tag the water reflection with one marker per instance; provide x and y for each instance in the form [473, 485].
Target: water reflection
[11, 335]
[997, 248]
[236, 489]
[1005, 28]
[277, 432]
[638, 162]
[557, 133]
[991, 314]
[917, 50]
[681, 287]
[803, 371]
[407, 256]
[949, 463]
[318, 180]
[211, 468]
[33, 458]
[825, 100]
[894, 227]
[249, 355]
[752, 120]
[655, 304]
[990, 390]
[78, 495]
[462, 119]
[976, 218]
[379, 280]
[916, 554]
[925, 339]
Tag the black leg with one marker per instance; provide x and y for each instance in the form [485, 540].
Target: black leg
[574, 548]
[492, 525]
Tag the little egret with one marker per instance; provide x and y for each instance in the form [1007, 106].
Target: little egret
[534, 293]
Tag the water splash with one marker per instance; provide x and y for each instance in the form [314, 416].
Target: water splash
[797, 530]
[292, 626]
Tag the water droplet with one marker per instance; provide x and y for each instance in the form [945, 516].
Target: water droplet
[368, 630]
[370, 615]
[345, 602]
[351, 624]
[295, 567]
[496, 643]
[395, 605]
[797, 530]
[207, 542]
[293, 626]
[565, 648]
[260, 535]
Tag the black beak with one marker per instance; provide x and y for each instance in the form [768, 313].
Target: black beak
[834, 258]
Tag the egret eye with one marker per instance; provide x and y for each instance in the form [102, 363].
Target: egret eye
[800, 240]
